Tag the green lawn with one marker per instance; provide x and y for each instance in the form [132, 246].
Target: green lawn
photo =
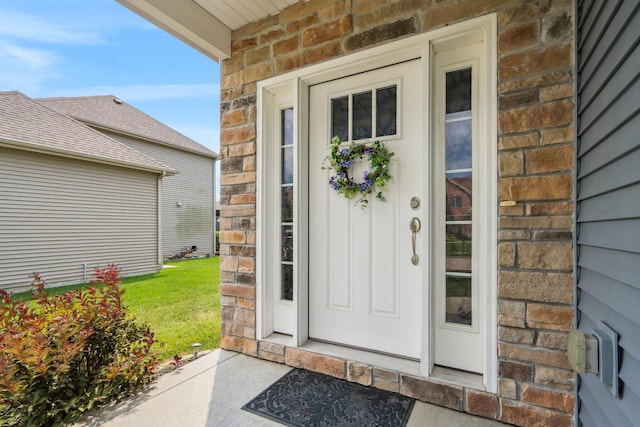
[181, 305]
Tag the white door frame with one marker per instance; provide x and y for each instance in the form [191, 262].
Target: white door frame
[296, 85]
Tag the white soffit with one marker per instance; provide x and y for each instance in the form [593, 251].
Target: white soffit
[237, 13]
[206, 25]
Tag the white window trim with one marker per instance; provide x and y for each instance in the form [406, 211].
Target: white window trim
[296, 84]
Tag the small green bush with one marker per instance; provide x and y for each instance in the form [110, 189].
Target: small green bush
[66, 354]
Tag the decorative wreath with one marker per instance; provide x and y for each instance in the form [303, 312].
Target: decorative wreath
[341, 161]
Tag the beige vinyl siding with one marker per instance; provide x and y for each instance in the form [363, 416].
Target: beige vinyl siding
[193, 222]
[57, 214]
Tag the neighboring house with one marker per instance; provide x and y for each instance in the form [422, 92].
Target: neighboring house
[459, 191]
[536, 101]
[188, 214]
[72, 199]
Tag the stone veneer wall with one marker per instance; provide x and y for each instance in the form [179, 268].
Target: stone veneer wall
[536, 146]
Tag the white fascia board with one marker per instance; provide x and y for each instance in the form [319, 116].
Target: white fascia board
[36, 148]
[187, 21]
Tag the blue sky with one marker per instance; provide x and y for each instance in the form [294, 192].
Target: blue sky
[51, 48]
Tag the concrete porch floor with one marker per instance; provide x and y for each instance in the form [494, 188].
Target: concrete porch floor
[211, 391]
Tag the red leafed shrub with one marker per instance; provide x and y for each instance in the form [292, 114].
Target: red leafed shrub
[62, 355]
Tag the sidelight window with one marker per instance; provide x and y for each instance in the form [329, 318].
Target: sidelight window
[458, 193]
[286, 205]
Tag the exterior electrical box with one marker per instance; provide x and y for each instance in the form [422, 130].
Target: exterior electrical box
[583, 352]
[596, 353]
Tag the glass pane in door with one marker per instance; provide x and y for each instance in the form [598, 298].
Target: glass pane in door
[286, 286]
[286, 204]
[386, 111]
[458, 140]
[458, 300]
[362, 115]
[459, 248]
[458, 90]
[340, 118]
[287, 165]
[287, 242]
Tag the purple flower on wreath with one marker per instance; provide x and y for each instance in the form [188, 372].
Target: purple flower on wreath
[368, 151]
[367, 180]
[342, 174]
[344, 151]
[346, 163]
[363, 187]
[334, 183]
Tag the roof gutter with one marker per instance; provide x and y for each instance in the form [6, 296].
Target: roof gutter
[26, 146]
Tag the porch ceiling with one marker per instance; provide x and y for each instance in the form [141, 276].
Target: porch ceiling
[206, 25]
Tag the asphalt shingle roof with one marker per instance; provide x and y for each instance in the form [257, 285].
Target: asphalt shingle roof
[112, 113]
[28, 124]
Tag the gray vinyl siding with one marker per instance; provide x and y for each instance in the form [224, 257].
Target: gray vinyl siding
[57, 214]
[608, 197]
[193, 222]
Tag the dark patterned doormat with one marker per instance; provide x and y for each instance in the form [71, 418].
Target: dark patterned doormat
[305, 398]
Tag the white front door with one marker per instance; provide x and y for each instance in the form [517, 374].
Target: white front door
[364, 289]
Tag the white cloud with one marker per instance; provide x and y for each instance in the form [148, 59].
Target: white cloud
[24, 68]
[30, 45]
[50, 30]
[143, 93]
[25, 58]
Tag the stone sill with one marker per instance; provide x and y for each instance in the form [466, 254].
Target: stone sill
[392, 363]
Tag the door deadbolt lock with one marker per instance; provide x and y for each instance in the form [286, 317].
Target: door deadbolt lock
[415, 203]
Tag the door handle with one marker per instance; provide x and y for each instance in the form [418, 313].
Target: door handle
[415, 225]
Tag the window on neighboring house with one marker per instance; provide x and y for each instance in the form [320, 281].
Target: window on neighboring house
[455, 202]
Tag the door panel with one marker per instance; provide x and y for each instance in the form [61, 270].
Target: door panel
[364, 289]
